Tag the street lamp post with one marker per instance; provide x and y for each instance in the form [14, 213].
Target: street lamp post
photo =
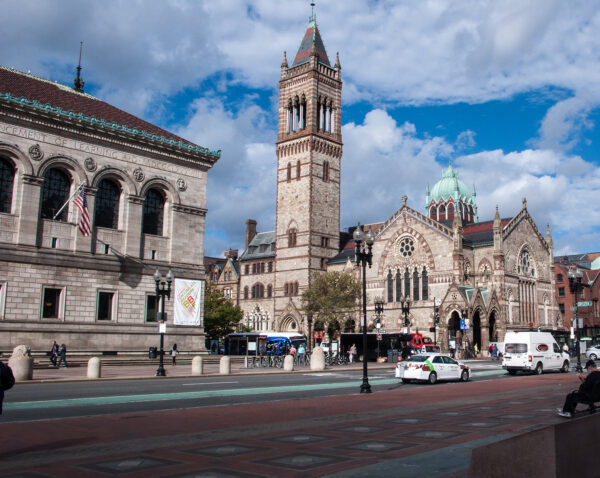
[464, 313]
[163, 291]
[436, 320]
[405, 305]
[378, 314]
[575, 286]
[363, 256]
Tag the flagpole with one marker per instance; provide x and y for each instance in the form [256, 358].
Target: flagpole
[67, 202]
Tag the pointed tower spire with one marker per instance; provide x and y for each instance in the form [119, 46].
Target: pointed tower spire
[497, 231]
[284, 63]
[338, 65]
[312, 44]
[78, 83]
[550, 246]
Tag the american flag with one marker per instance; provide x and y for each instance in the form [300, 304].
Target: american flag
[84, 220]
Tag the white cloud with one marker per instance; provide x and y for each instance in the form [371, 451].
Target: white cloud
[242, 184]
[139, 54]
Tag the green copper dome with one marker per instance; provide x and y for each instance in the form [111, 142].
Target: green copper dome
[450, 187]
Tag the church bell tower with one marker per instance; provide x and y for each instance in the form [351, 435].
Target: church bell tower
[309, 152]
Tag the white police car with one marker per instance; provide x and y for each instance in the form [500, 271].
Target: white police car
[432, 368]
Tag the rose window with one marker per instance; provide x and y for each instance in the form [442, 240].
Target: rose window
[407, 247]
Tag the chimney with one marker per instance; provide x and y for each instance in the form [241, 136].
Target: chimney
[250, 231]
[231, 254]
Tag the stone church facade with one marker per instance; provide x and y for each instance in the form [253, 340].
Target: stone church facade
[146, 196]
[497, 275]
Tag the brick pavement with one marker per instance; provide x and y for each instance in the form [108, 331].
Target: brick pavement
[406, 431]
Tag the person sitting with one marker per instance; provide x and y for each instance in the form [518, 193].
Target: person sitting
[589, 380]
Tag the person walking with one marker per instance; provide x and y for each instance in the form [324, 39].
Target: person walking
[54, 353]
[62, 356]
[174, 353]
[301, 353]
[352, 353]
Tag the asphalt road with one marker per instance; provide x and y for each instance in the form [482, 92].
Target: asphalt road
[56, 400]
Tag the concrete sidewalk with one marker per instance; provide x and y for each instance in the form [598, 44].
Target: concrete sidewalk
[137, 371]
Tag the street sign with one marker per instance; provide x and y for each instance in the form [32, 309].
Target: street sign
[584, 304]
[378, 336]
[573, 309]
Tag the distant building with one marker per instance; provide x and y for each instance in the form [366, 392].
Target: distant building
[589, 266]
[146, 198]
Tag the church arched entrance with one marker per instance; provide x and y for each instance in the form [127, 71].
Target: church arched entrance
[493, 337]
[290, 324]
[454, 332]
[476, 330]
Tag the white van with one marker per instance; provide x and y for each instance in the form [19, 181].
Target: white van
[533, 352]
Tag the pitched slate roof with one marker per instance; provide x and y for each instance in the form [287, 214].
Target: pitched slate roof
[311, 36]
[26, 89]
[480, 233]
[260, 247]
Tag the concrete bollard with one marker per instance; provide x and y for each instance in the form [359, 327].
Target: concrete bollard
[197, 365]
[317, 359]
[288, 363]
[94, 368]
[225, 365]
[21, 363]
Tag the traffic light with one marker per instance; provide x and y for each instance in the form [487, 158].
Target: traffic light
[530, 325]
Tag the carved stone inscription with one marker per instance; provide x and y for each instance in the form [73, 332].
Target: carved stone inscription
[87, 148]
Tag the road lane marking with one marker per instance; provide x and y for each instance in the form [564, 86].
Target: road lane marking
[157, 397]
[204, 383]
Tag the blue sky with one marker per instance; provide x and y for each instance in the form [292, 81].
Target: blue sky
[509, 91]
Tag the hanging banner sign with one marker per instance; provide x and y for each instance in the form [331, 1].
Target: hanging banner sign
[189, 302]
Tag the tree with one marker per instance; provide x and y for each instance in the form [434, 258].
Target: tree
[330, 297]
[221, 317]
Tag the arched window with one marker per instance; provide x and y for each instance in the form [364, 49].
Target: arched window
[415, 285]
[107, 204]
[442, 212]
[258, 291]
[246, 292]
[298, 170]
[289, 172]
[425, 283]
[407, 283]
[55, 194]
[154, 206]
[7, 179]
[326, 171]
[398, 285]
[450, 211]
[433, 213]
[291, 237]
[390, 287]
[269, 291]
[471, 216]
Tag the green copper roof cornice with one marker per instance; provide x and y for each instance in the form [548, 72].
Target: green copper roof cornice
[106, 124]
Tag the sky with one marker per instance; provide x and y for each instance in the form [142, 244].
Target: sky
[508, 91]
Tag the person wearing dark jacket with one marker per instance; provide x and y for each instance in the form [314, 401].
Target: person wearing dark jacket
[589, 380]
[62, 356]
[7, 380]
